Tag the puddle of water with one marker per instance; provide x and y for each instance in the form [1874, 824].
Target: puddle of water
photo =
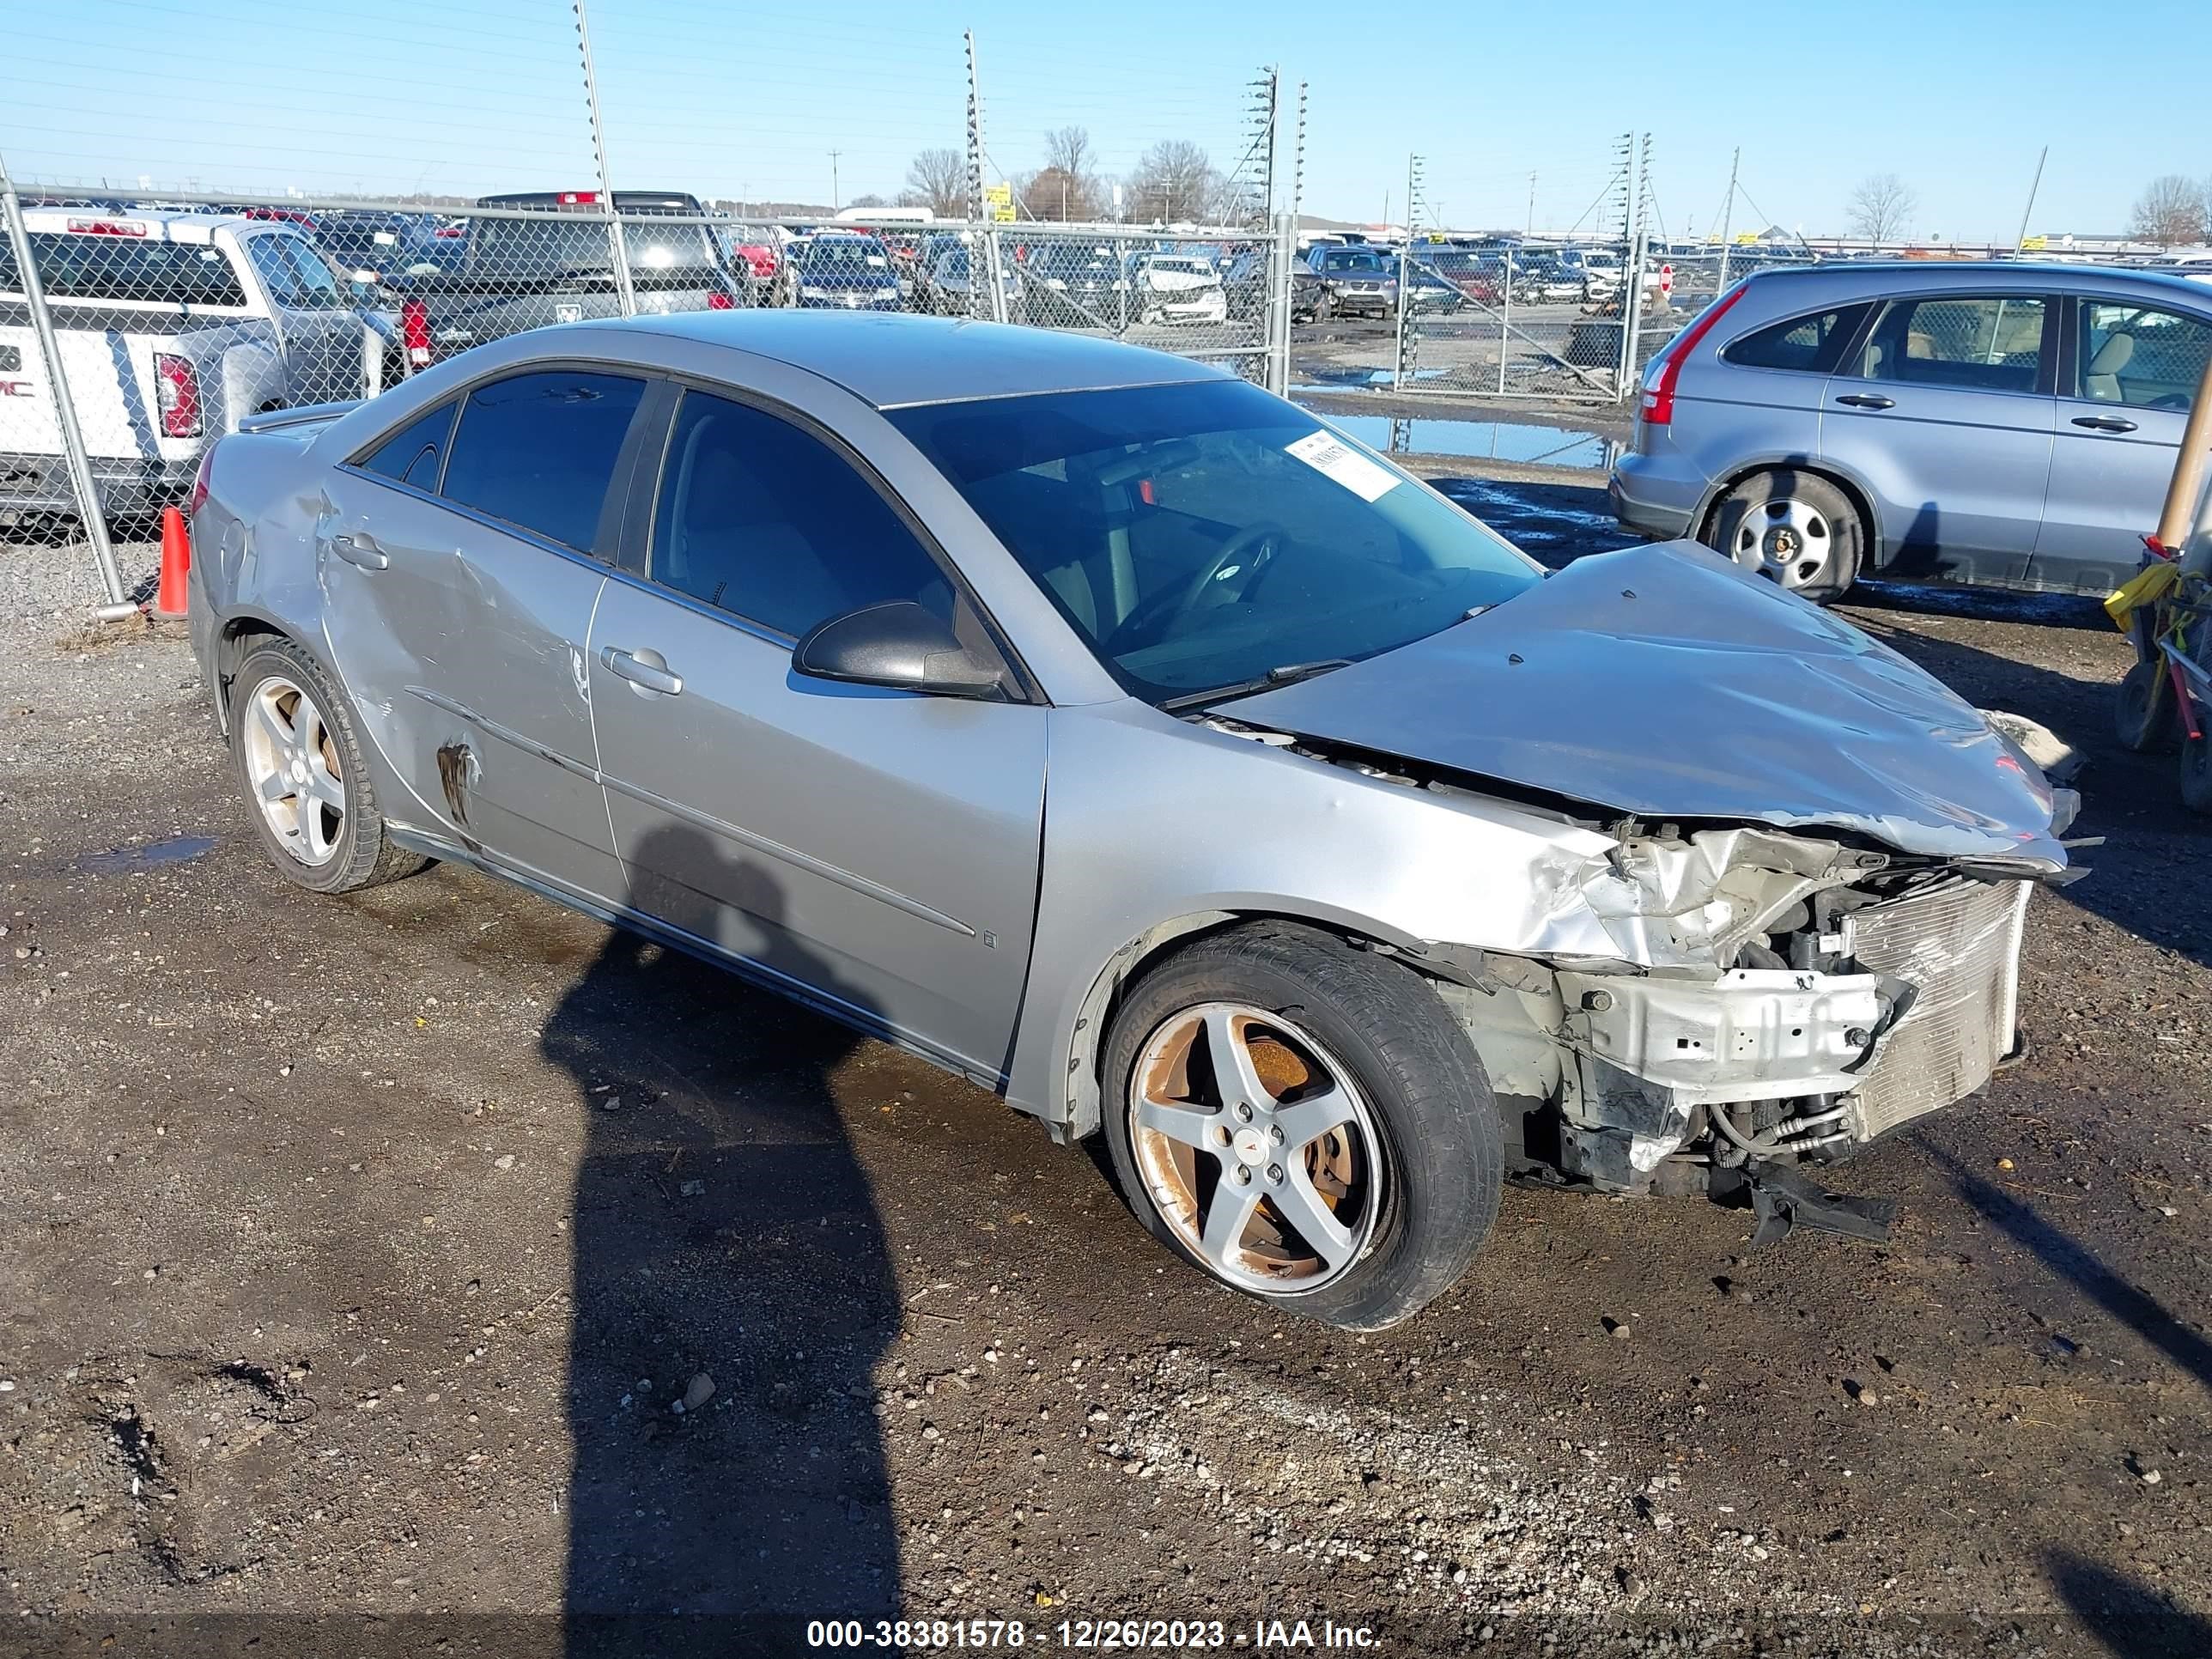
[1497, 440]
[122, 861]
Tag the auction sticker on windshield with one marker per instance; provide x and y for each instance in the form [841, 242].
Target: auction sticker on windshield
[1325, 453]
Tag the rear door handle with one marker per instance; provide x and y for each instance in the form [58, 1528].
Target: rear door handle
[359, 547]
[1867, 400]
[619, 661]
[2105, 423]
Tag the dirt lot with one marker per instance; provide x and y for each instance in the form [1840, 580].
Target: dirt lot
[354, 1255]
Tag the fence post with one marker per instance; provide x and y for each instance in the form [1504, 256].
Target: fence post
[1278, 304]
[616, 243]
[89, 511]
[995, 272]
[1631, 259]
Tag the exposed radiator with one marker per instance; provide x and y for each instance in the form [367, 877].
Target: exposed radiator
[1957, 944]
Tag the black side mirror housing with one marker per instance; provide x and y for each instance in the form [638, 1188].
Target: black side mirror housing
[900, 645]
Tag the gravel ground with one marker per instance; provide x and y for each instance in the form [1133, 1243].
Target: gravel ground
[355, 1256]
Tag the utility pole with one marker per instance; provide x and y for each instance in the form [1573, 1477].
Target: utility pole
[985, 237]
[834, 154]
[1298, 168]
[620, 249]
[2019, 240]
[1532, 202]
[1266, 100]
[1637, 154]
[1408, 340]
[1728, 217]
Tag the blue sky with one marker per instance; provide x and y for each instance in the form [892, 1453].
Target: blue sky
[749, 100]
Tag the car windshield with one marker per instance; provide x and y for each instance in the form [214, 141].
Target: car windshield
[1199, 536]
[845, 257]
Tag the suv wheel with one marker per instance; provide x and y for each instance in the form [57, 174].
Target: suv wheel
[1305, 1123]
[1794, 527]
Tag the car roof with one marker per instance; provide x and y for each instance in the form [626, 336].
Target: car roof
[2012, 273]
[896, 360]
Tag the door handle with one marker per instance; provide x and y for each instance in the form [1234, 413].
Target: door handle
[2105, 423]
[1867, 400]
[359, 547]
[621, 662]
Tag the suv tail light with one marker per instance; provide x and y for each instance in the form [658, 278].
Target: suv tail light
[718, 301]
[415, 333]
[177, 390]
[1658, 401]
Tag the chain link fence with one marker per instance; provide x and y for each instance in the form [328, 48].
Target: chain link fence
[134, 333]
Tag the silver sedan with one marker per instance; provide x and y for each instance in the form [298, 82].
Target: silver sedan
[1119, 737]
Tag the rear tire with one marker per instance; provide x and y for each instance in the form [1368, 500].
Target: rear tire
[1372, 1117]
[2197, 774]
[1796, 528]
[2144, 719]
[304, 775]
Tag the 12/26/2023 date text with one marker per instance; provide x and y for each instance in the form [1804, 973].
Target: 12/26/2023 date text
[1090, 1635]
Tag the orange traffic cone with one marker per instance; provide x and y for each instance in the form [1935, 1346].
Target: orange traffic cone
[170, 600]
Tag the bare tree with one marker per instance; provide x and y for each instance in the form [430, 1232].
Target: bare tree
[1065, 188]
[2171, 212]
[1175, 180]
[1879, 207]
[938, 179]
[868, 201]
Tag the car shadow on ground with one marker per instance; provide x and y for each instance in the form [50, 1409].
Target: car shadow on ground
[2130, 1618]
[2072, 1262]
[724, 1233]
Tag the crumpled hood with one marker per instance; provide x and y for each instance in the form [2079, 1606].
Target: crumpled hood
[1665, 681]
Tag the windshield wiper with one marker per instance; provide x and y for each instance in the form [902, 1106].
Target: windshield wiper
[1289, 673]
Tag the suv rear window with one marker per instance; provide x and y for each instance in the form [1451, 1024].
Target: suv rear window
[81, 267]
[1814, 344]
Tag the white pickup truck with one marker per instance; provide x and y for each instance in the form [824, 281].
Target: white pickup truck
[173, 327]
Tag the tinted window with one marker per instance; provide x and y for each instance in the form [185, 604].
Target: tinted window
[411, 454]
[76, 266]
[1987, 344]
[539, 451]
[2140, 355]
[768, 522]
[1814, 343]
[1198, 535]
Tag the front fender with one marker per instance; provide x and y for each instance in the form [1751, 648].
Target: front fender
[1156, 828]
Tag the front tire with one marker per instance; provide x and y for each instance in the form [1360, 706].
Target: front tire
[306, 779]
[1304, 1121]
[1796, 528]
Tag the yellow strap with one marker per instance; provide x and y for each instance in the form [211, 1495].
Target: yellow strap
[2147, 586]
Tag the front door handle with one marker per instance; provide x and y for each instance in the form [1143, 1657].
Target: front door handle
[359, 547]
[1867, 400]
[619, 661]
[2105, 423]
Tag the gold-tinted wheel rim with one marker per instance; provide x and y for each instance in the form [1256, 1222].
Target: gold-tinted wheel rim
[1256, 1146]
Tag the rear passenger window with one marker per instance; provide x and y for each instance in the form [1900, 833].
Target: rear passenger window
[539, 451]
[1813, 344]
[1991, 343]
[2141, 357]
[410, 455]
[762, 520]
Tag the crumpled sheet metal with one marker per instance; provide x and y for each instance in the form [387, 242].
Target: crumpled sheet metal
[1664, 682]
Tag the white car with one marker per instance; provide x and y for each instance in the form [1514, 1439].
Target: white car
[173, 326]
[1179, 287]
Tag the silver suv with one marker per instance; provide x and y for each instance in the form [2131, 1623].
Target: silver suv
[2003, 423]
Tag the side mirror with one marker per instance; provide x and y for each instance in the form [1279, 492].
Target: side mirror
[900, 645]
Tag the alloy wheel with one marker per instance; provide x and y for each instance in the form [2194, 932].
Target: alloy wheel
[291, 761]
[1790, 540]
[1256, 1147]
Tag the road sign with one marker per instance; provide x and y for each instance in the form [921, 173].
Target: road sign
[1665, 279]
[2033, 244]
[998, 195]
[1746, 239]
[1004, 216]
